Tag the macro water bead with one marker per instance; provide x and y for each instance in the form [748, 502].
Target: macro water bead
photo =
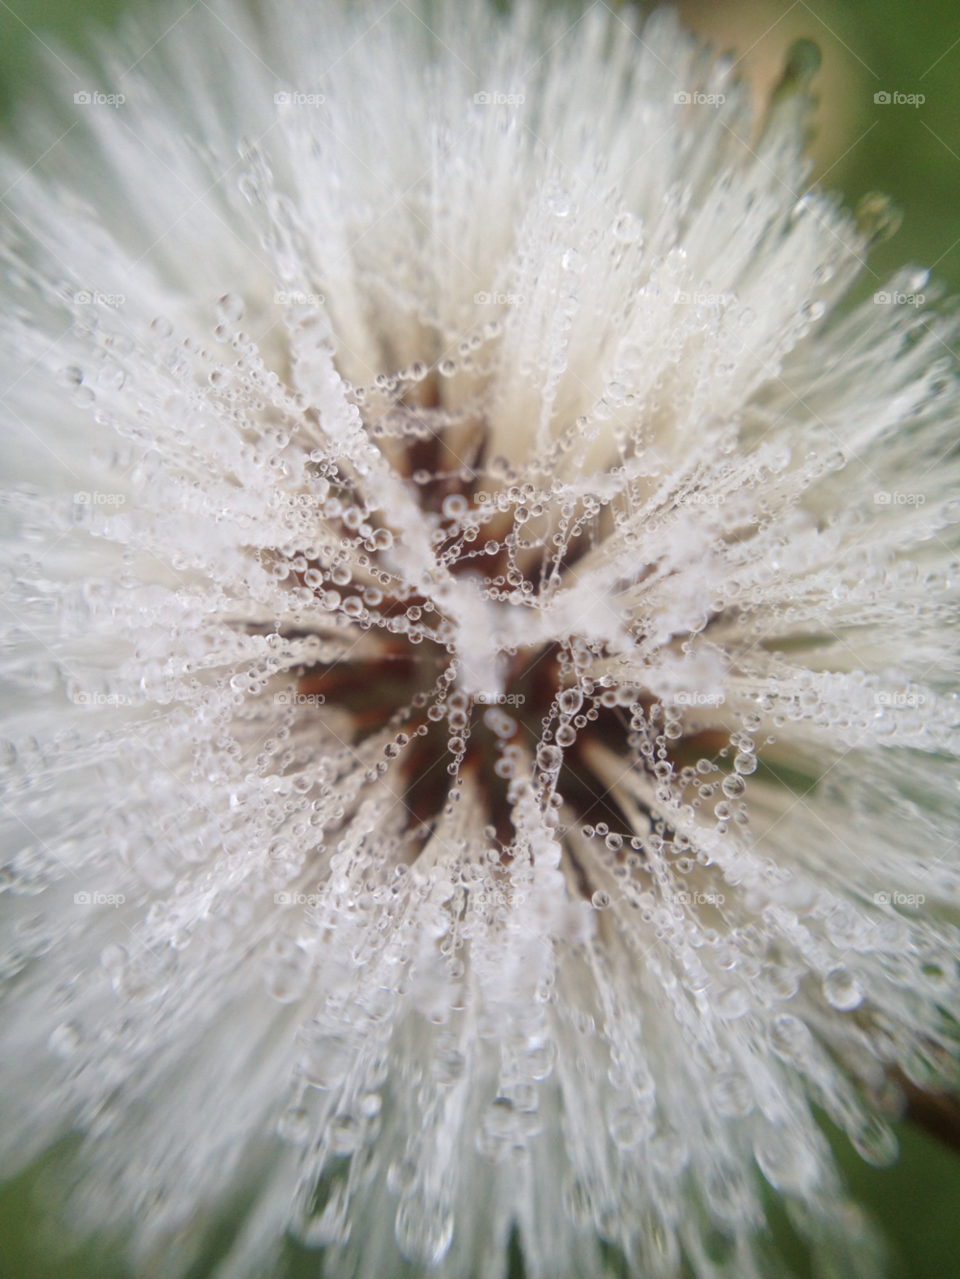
[480, 740]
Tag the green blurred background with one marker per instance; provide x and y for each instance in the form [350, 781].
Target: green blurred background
[911, 153]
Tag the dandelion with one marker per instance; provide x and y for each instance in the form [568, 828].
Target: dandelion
[481, 755]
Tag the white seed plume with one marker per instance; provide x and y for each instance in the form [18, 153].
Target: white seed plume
[481, 734]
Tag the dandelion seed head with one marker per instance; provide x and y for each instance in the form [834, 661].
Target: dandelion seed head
[481, 723]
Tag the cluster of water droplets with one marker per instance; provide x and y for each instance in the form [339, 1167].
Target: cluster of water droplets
[610, 566]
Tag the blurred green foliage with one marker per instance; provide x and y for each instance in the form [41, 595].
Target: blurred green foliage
[913, 154]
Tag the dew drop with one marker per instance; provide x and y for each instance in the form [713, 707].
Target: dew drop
[875, 1142]
[449, 1066]
[842, 989]
[732, 1003]
[540, 1060]
[64, 1041]
[628, 1127]
[791, 1039]
[424, 1230]
[732, 1096]
[344, 1135]
[549, 758]
[325, 1060]
[454, 506]
[286, 982]
[627, 228]
[570, 701]
[813, 310]
[733, 786]
[293, 1126]
[230, 308]
[370, 1105]
[878, 218]
[578, 1203]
